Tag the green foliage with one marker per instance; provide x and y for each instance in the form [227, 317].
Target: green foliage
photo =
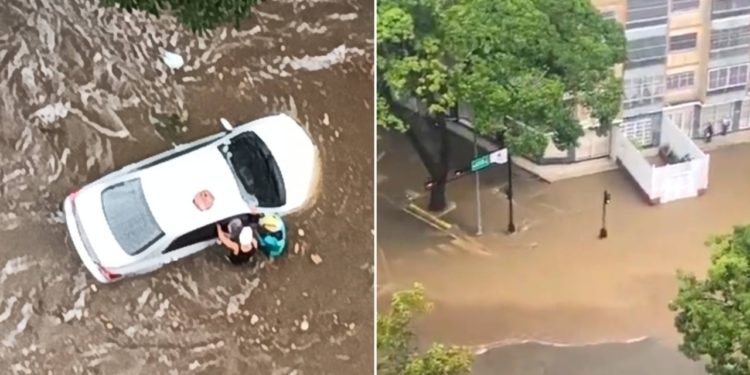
[713, 315]
[533, 61]
[197, 15]
[396, 350]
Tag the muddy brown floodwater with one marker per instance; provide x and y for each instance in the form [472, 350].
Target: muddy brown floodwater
[81, 88]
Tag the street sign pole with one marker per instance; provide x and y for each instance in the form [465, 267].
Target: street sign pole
[511, 224]
[479, 199]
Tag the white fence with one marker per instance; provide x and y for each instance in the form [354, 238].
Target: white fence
[662, 184]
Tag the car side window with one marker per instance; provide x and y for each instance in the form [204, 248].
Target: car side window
[199, 235]
[202, 234]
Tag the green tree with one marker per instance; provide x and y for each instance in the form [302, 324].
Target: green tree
[197, 15]
[397, 354]
[713, 315]
[523, 66]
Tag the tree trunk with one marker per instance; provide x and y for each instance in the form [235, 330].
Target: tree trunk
[436, 165]
[438, 201]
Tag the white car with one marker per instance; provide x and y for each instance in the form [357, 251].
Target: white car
[135, 220]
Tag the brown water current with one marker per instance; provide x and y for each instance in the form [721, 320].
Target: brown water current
[83, 91]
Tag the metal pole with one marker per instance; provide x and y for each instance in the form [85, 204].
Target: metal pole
[479, 199]
[603, 231]
[511, 225]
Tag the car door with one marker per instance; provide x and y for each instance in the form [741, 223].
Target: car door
[190, 243]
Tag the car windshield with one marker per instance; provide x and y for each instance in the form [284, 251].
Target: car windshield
[256, 169]
[129, 216]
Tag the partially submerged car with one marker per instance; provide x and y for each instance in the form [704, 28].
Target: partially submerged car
[135, 220]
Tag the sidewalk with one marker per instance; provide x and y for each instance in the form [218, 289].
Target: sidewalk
[558, 172]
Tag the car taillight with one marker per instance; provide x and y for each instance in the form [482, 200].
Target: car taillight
[73, 195]
[109, 275]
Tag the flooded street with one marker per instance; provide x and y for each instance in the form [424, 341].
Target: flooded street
[555, 282]
[83, 92]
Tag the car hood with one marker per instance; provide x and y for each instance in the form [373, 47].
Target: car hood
[296, 156]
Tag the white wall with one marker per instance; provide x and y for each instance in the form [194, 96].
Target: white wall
[678, 141]
[631, 158]
[592, 146]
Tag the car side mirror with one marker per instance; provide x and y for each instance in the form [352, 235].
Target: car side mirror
[226, 124]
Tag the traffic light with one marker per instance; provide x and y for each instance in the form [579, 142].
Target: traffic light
[607, 197]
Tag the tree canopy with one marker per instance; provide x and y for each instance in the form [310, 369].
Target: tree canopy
[197, 15]
[713, 314]
[397, 354]
[523, 66]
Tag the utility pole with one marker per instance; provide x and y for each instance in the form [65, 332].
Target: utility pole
[605, 202]
[479, 200]
[511, 225]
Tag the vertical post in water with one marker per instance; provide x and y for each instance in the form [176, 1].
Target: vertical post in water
[605, 202]
[511, 225]
[476, 182]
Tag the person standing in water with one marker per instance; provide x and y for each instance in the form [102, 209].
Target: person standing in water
[271, 235]
[240, 239]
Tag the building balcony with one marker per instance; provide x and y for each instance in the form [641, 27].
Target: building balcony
[687, 18]
[678, 59]
[682, 95]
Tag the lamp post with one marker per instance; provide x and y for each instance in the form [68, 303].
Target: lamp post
[605, 202]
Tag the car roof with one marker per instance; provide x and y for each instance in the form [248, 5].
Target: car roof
[170, 187]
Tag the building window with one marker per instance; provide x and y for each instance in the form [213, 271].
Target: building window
[679, 81]
[680, 5]
[726, 79]
[730, 42]
[729, 8]
[683, 118]
[715, 114]
[642, 13]
[642, 91]
[683, 42]
[745, 115]
[639, 131]
[647, 51]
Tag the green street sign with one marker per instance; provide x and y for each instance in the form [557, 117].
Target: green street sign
[480, 163]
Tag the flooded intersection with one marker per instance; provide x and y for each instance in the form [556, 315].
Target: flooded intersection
[83, 92]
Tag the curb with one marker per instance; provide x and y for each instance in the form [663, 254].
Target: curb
[529, 168]
[427, 217]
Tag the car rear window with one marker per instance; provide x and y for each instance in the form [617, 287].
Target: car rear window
[256, 169]
[129, 216]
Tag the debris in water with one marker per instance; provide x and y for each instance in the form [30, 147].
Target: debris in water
[52, 112]
[254, 319]
[296, 248]
[304, 326]
[172, 60]
[300, 232]
[316, 259]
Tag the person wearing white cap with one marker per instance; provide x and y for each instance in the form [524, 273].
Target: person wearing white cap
[240, 240]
